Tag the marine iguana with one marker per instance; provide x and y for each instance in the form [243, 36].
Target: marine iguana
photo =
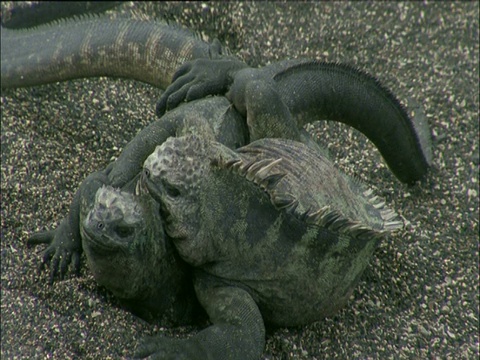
[272, 232]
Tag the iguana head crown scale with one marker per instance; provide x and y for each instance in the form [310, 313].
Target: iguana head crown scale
[172, 174]
[116, 205]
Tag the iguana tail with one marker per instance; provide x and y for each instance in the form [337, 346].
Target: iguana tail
[324, 91]
[91, 46]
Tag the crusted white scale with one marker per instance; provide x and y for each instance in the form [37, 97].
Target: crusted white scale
[119, 204]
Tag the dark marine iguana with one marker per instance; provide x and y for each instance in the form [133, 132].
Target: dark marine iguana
[272, 232]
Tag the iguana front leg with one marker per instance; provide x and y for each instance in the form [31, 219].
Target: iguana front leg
[268, 116]
[198, 79]
[238, 331]
[65, 243]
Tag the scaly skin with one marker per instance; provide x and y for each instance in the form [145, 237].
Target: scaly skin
[273, 226]
[93, 46]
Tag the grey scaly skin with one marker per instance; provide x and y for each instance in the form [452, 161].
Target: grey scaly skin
[91, 46]
[214, 118]
[273, 231]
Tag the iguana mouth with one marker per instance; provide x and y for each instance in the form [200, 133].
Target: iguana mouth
[104, 245]
[142, 188]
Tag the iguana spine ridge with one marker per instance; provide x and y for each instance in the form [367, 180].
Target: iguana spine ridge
[263, 174]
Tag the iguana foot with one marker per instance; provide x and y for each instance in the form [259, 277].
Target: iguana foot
[161, 347]
[198, 79]
[60, 253]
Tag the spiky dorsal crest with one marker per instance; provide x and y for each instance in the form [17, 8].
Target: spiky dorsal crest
[274, 176]
[336, 221]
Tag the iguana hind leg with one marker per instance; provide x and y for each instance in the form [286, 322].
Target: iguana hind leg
[267, 115]
[238, 331]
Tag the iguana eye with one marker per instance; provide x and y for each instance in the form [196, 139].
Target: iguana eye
[146, 172]
[171, 190]
[100, 225]
[124, 231]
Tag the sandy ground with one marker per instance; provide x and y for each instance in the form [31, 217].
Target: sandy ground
[419, 297]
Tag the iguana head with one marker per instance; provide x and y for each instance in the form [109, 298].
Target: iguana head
[127, 250]
[172, 174]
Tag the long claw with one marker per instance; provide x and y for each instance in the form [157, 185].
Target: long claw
[64, 261]
[53, 268]
[197, 91]
[182, 70]
[47, 257]
[174, 94]
[44, 237]
[76, 263]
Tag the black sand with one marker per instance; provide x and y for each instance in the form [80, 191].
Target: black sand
[417, 300]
